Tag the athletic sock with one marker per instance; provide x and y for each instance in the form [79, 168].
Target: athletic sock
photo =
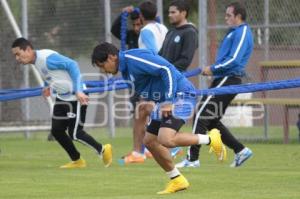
[203, 139]
[173, 173]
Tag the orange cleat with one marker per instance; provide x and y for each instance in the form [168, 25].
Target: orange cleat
[131, 158]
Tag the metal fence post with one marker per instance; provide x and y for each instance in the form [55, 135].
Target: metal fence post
[266, 57]
[202, 18]
[26, 103]
[160, 10]
[111, 120]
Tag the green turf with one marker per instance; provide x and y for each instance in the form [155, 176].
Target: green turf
[29, 169]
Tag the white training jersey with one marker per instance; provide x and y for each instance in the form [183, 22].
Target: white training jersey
[60, 73]
[152, 36]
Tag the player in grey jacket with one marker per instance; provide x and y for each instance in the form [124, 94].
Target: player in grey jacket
[181, 41]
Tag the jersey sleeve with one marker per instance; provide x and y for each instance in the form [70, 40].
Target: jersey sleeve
[237, 51]
[148, 39]
[148, 64]
[59, 62]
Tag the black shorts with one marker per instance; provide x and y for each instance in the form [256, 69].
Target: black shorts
[68, 115]
[168, 122]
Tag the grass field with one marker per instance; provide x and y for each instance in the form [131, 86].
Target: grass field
[29, 169]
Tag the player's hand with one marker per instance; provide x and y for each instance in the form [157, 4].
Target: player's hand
[82, 98]
[46, 92]
[207, 71]
[166, 109]
[128, 9]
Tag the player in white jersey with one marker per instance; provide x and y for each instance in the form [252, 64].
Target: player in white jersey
[151, 37]
[153, 34]
[62, 77]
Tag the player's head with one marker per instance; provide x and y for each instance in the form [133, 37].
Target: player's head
[136, 22]
[23, 51]
[148, 10]
[178, 11]
[235, 14]
[105, 57]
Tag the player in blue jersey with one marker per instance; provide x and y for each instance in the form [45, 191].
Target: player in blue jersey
[173, 96]
[229, 69]
[62, 76]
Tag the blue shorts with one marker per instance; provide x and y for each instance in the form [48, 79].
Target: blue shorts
[183, 107]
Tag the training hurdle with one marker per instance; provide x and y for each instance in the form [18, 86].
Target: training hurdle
[287, 104]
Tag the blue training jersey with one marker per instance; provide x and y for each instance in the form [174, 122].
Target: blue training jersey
[153, 77]
[234, 52]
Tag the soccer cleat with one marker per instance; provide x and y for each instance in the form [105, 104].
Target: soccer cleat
[177, 184]
[80, 163]
[107, 155]
[131, 158]
[187, 163]
[176, 152]
[216, 144]
[241, 157]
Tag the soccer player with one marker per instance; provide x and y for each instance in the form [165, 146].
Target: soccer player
[181, 41]
[158, 81]
[132, 34]
[62, 77]
[152, 34]
[151, 37]
[137, 155]
[233, 55]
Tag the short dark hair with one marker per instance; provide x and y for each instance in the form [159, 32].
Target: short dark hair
[101, 52]
[22, 43]
[148, 10]
[181, 5]
[238, 8]
[134, 15]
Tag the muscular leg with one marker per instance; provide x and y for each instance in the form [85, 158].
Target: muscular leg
[143, 110]
[167, 138]
[160, 153]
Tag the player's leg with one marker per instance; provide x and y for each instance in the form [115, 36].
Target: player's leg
[77, 133]
[138, 125]
[166, 130]
[142, 112]
[162, 156]
[242, 153]
[58, 130]
[200, 126]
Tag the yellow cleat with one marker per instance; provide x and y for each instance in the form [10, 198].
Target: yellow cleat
[80, 163]
[107, 155]
[216, 144]
[177, 184]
